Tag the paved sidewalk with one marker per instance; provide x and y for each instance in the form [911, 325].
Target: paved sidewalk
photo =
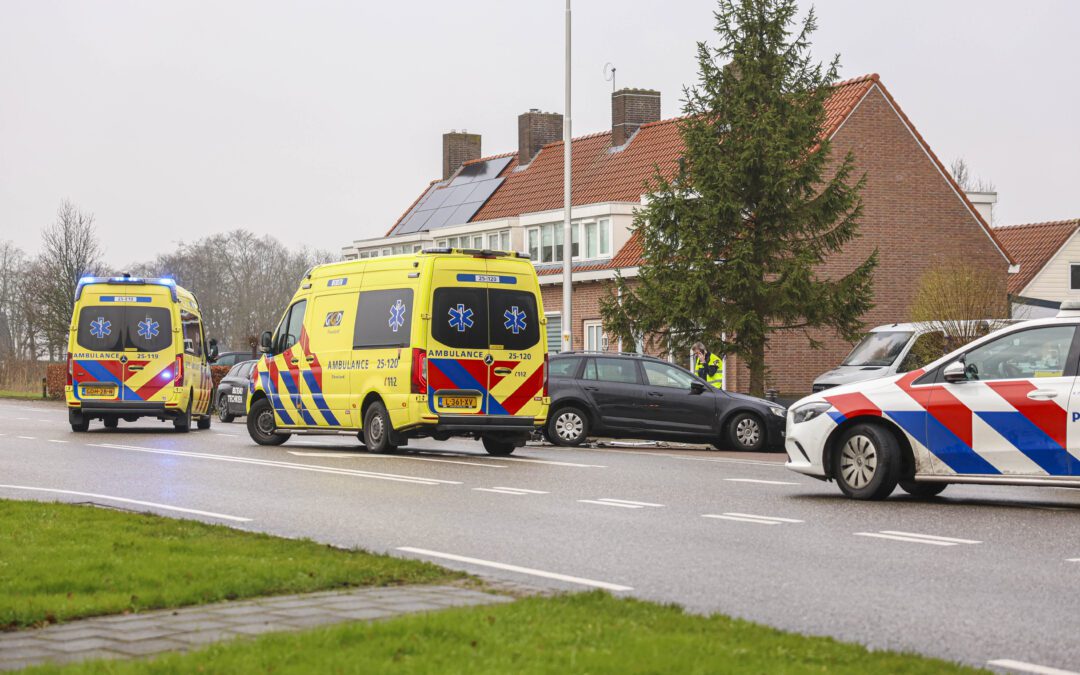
[150, 633]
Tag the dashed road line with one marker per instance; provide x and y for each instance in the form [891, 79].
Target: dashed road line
[521, 492]
[624, 506]
[916, 538]
[515, 568]
[27, 438]
[125, 500]
[1023, 667]
[1072, 559]
[621, 503]
[751, 518]
[57, 440]
[755, 480]
[627, 501]
[350, 455]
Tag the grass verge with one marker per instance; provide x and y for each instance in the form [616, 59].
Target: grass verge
[22, 395]
[62, 561]
[587, 633]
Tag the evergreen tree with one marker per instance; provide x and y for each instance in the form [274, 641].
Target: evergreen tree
[734, 237]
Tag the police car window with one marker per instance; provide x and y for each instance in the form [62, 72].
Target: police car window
[192, 329]
[383, 318]
[459, 317]
[291, 325]
[514, 323]
[612, 370]
[1039, 352]
[663, 375]
[564, 367]
[101, 329]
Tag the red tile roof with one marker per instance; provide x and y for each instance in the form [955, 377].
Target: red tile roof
[1032, 246]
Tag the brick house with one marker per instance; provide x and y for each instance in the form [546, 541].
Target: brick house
[914, 214]
[1049, 259]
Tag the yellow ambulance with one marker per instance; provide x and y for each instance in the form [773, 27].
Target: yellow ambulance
[137, 348]
[440, 343]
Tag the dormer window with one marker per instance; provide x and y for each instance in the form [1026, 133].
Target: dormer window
[545, 241]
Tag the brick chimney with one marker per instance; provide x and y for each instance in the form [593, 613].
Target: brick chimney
[630, 108]
[535, 130]
[458, 147]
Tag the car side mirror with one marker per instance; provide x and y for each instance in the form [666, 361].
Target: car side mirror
[697, 388]
[266, 342]
[955, 372]
[211, 350]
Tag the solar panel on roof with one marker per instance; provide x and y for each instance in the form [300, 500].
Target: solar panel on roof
[481, 170]
[456, 201]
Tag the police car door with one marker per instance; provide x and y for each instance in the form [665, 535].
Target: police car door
[1012, 413]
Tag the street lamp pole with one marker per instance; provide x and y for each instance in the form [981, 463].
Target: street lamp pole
[567, 252]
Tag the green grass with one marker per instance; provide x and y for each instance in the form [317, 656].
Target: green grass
[61, 561]
[22, 395]
[588, 633]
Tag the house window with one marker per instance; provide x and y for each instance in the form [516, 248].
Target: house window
[499, 241]
[545, 241]
[554, 332]
[1074, 276]
[595, 340]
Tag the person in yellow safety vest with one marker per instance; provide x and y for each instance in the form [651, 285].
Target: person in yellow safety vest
[708, 366]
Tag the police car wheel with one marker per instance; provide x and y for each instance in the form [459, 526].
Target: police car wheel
[867, 462]
[261, 424]
[183, 422]
[746, 432]
[223, 413]
[568, 427]
[377, 429]
[922, 489]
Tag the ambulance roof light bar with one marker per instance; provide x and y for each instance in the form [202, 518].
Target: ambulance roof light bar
[128, 279]
[477, 252]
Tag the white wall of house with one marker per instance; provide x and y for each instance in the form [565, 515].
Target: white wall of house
[1054, 281]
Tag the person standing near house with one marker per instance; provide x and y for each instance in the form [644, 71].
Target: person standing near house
[708, 366]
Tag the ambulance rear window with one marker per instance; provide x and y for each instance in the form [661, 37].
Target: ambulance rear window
[117, 328]
[513, 319]
[478, 318]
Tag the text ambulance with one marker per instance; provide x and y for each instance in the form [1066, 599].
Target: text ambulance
[440, 343]
[137, 349]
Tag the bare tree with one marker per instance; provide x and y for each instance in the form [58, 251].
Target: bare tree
[70, 250]
[961, 173]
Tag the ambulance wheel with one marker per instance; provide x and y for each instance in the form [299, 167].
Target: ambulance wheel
[204, 422]
[183, 423]
[867, 462]
[498, 446]
[223, 413]
[922, 489]
[745, 431]
[567, 427]
[261, 424]
[377, 429]
[111, 422]
[78, 421]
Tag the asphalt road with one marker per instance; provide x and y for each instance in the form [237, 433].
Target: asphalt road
[978, 575]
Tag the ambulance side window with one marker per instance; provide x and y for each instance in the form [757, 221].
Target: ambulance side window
[383, 318]
[291, 325]
[192, 329]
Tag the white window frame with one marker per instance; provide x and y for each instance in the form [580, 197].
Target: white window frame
[578, 236]
[590, 330]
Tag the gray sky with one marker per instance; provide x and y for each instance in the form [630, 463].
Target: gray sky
[319, 122]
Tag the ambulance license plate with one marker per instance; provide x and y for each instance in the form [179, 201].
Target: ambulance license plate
[98, 391]
[457, 402]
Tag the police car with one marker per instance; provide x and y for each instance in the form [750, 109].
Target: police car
[1004, 409]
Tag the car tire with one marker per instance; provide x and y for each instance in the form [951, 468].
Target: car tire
[922, 490]
[866, 464]
[111, 422]
[261, 424]
[182, 424]
[223, 414]
[500, 447]
[204, 421]
[568, 427]
[377, 429]
[78, 422]
[746, 431]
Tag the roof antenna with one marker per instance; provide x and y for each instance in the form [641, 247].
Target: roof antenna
[609, 74]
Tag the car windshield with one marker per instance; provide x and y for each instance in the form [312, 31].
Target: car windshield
[879, 348]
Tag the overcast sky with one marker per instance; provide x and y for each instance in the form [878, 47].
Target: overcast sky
[319, 122]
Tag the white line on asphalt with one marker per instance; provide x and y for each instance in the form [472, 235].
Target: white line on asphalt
[913, 540]
[1072, 559]
[622, 506]
[1020, 666]
[931, 536]
[531, 492]
[752, 515]
[758, 521]
[365, 455]
[763, 482]
[27, 438]
[125, 500]
[514, 568]
[502, 492]
[419, 480]
[56, 440]
[627, 501]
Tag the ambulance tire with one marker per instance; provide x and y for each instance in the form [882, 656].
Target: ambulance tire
[223, 413]
[182, 424]
[377, 429]
[263, 433]
[204, 422]
[111, 422]
[866, 464]
[923, 490]
[500, 447]
[78, 422]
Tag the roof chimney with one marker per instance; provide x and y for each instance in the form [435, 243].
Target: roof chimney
[458, 147]
[630, 108]
[984, 204]
[535, 130]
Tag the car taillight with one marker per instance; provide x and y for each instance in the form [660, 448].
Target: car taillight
[546, 373]
[70, 370]
[419, 371]
[179, 379]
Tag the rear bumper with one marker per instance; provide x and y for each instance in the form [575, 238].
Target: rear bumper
[123, 408]
[484, 423]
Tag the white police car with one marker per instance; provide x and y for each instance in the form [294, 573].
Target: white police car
[1004, 409]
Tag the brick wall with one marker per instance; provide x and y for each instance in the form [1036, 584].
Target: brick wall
[458, 147]
[630, 108]
[535, 130]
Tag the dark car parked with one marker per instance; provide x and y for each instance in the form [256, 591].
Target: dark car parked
[232, 358]
[233, 391]
[636, 396]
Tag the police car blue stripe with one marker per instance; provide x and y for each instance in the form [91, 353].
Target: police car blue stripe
[941, 442]
[1033, 442]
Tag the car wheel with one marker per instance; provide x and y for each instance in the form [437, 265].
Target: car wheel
[111, 422]
[867, 462]
[568, 427]
[204, 421]
[746, 432]
[223, 413]
[922, 489]
[498, 446]
[261, 424]
[377, 429]
[78, 422]
[183, 423]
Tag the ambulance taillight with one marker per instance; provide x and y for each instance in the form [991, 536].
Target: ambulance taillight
[70, 370]
[179, 379]
[546, 360]
[419, 371]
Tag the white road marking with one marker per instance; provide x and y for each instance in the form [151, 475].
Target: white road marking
[514, 568]
[763, 482]
[27, 438]
[627, 501]
[931, 536]
[751, 515]
[365, 455]
[56, 440]
[623, 506]
[418, 480]
[1072, 559]
[531, 492]
[751, 518]
[1022, 667]
[125, 500]
[916, 538]
[521, 492]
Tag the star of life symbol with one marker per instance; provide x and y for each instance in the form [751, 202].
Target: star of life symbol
[397, 315]
[461, 317]
[101, 328]
[148, 329]
[515, 320]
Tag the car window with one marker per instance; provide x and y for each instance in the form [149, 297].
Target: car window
[383, 318]
[233, 372]
[291, 325]
[246, 368]
[879, 348]
[927, 348]
[612, 370]
[564, 367]
[1039, 352]
[663, 375]
[192, 329]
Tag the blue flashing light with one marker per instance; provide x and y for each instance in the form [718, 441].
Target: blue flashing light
[86, 281]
